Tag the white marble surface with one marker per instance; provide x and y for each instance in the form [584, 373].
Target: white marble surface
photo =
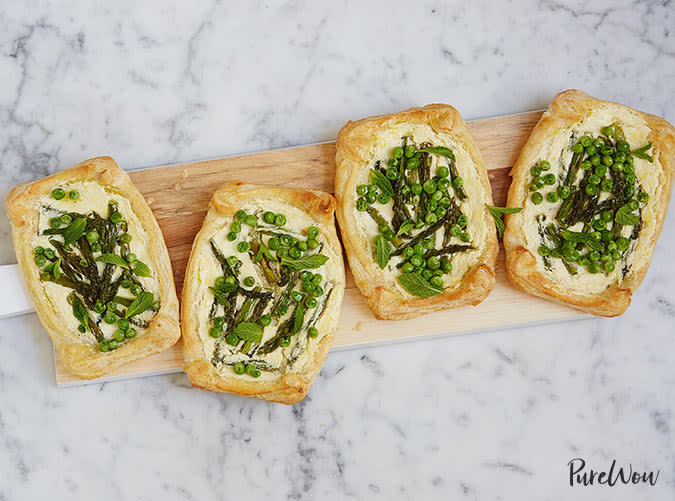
[489, 416]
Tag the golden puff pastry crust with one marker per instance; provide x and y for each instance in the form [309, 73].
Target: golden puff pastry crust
[81, 356]
[359, 145]
[290, 383]
[574, 111]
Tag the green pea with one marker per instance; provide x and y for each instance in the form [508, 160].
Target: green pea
[113, 344]
[156, 305]
[599, 224]
[371, 198]
[103, 346]
[563, 192]
[392, 173]
[457, 182]
[39, 250]
[583, 261]
[413, 163]
[599, 142]
[596, 160]
[239, 368]
[556, 253]
[215, 332]
[416, 260]
[55, 222]
[231, 236]
[253, 371]
[392, 162]
[251, 220]
[593, 179]
[633, 204]
[544, 250]
[361, 190]
[535, 171]
[436, 281]
[397, 152]
[592, 190]
[243, 246]
[442, 171]
[240, 215]
[123, 324]
[305, 275]
[273, 243]
[310, 302]
[586, 165]
[294, 252]
[431, 204]
[283, 252]
[249, 281]
[429, 186]
[578, 148]
[407, 267]
[618, 167]
[58, 194]
[590, 150]
[465, 237]
[549, 179]
[73, 195]
[609, 267]
[302, 246]
[608, 130]
[135, 289]
[318, 291]
[545, 165]
[265, 320]
[307, 287]
[268, 217]
[109, 318]
[539, 182]
[40, 261]
[607, 185]
[119, 336]
[446, 265]
[416, 189]
[279, 220]
[219, 322]
[629, 191]
[643, 197]
[537, 198]
[616, 255]
[296, 296]
[586, 141]
[116, 217]
[433, 263]
[313, 332]
[623, 146]
[99, 307]
[430, 218]
[552, 196]
[231, 339]
[594, 256]
[606, 215]
[607, 160]
[312, 243]
[462, 221]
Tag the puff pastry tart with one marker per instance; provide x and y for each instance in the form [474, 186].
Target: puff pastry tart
[413, 198]
[263, 290]
[594, 182]
[96, 266]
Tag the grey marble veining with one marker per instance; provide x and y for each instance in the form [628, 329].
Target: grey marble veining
[489, 416]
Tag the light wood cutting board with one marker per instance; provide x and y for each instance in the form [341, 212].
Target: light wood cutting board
[179, 196]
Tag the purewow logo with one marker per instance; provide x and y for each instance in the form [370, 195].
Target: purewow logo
[579, 475]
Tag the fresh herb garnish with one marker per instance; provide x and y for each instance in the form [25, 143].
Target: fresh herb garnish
[382, 251]
[141, 269]
[439, 150]
[140, 304]
[112, 259]
[381, 181]
[624, 216]
[74, 231]
[248, 331]
[304, 263]
[417, 285]
[498, 212]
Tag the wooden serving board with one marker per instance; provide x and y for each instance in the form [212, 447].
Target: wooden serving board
[179, 196]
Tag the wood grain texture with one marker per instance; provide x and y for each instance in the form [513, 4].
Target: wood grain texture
[179, 196]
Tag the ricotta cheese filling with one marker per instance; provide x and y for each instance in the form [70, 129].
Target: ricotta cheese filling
[420, 209]
[266, 298]
[591, 198]
[96, 271]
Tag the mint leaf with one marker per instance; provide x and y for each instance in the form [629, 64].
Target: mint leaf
[382, 182]
[263, 251]
[141, 269]
[56, 269]
[439, 150]
[74, 231]
[248, 331]
[141, 303]
[112, 259]
[220, 297]
[497, 213]
[79, 311]
[642, 153]
[626, 217]
[416, 285]
[382, 251]
[405, 227]
[584, 238]
[304, 263]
